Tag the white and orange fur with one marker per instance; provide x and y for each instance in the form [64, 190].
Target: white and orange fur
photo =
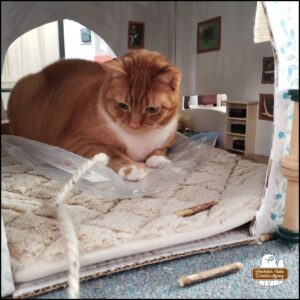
[126, 108]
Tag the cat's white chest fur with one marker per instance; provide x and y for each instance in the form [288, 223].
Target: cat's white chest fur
[139, 146]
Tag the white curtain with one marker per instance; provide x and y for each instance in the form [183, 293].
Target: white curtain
[281, 18]
[30, 53]
[261, 28]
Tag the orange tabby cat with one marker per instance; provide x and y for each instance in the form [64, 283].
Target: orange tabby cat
[126, 107]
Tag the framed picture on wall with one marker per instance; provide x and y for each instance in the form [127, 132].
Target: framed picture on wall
[136, 35]
[268, 70]
[209, 35]
[86, 36]
[266, 107]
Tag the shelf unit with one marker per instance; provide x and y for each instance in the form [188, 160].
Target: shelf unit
[241, 119]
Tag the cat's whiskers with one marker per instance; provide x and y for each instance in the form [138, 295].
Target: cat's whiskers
[164, 129]
[107, 126]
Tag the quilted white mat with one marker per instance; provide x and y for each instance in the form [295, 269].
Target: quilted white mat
[115, 229]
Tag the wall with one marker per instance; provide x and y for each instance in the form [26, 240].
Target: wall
[206, 119]
[235, 69]
[74, 48]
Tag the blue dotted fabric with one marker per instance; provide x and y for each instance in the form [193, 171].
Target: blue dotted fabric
[161, 280]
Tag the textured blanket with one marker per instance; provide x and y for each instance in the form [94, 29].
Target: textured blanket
[112, 229]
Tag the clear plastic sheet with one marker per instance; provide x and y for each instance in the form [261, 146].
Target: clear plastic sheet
[58, 164]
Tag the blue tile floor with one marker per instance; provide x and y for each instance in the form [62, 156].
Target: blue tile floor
[160, 281]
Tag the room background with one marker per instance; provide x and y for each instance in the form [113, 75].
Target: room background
[171, 29]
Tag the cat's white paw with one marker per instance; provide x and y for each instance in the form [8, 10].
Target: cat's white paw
[157, 161]
[134, 172]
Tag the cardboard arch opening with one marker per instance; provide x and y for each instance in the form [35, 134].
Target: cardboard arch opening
[46, 44]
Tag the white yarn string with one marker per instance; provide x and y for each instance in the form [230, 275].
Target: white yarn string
[68, 228]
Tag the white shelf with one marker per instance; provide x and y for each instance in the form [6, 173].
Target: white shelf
[237, 150]
[237, 119]
[243, 103]
[236, 134]
[249, 121]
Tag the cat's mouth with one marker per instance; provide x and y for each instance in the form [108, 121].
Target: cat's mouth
[140, 129]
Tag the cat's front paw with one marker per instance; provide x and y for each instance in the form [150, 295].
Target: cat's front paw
[134, 172]
[157, 161]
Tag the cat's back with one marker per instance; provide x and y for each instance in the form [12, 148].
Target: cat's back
[58, 74]
[41, 94]
[71, 68]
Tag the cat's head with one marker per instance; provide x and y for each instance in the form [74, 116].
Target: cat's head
[141, 91]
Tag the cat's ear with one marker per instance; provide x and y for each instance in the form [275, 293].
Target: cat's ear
[171, 77]
[114, 69]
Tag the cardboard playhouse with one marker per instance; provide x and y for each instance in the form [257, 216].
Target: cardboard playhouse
[132, 232]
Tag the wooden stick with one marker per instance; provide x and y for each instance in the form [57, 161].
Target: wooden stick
[186, 212]
[212, 273]
[266, 237]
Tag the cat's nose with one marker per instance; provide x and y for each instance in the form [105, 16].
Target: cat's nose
[135, 122]
[134, 125]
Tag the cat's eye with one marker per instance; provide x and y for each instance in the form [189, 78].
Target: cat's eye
[152, 109]
[122, 105]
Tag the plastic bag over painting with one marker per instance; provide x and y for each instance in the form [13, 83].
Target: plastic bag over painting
[58, 164]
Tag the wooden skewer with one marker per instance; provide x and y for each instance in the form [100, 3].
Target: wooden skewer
[208, 274]
[266, 237]
[186, 212]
